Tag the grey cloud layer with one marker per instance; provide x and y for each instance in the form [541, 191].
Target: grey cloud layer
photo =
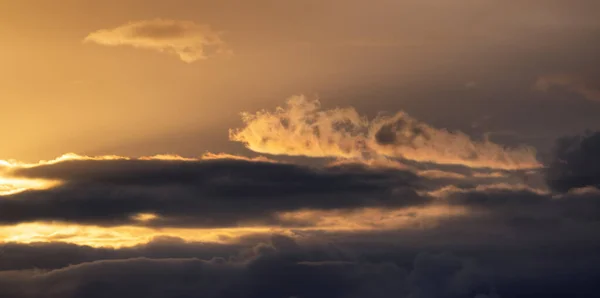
[277, 268]
[284, 267]
[514, 240]
[511, 243]
[302, 128]
[211, 193]
[230, 192]
[576, 162]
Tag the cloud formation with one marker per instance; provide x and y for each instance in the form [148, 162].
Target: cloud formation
[576, 163]
[189, 41]
[302, 128]
[216, 192]
[491, 248]
[279, 267]
[573, 83]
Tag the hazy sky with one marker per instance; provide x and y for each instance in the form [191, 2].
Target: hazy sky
[315, 148]
[451, 63]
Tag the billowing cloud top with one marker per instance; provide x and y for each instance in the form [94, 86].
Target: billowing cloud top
[186, 39]
[303, 128]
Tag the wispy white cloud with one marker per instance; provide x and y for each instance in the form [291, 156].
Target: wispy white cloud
[186, 39]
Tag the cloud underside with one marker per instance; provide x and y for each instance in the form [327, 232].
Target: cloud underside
[276, 268]
[380, 220]
[187, 40]
[223, 191]
[311, 265]
[302, 128]
[201, 193]
[474, 233]
[363, 189]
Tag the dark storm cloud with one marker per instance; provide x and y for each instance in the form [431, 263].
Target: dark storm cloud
[278, 268]
[212, 193]
[576, 162]
[532, 244]
[283, 267]
[531, 210]
[512, 243]
[56, 255]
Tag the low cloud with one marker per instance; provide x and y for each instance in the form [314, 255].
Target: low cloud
[573, 83]
[290, 269]
[576, 163]
[491, 251]
[302, 128]
[214, 192]
[189, 41]
[388, 265]
[470, 232]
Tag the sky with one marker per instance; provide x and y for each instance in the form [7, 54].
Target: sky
[332, 148]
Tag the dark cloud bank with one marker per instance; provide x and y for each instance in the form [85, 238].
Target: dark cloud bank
[278, 268]
[281, 267]
[207, 193]
[577, 162]
[513, 242]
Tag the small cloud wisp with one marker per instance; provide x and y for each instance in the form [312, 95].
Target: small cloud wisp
[191, 42]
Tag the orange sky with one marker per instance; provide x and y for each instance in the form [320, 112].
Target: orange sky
[139, 78]
[60, 94]
[299, 148]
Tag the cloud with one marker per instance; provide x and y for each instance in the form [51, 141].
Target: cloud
[292, 267]
[576, 162]
[302, 128]
[573, 83]
[186, 39]
[56, 255]
[219, 192]
[529, 208]
[432, 230]
[280, 267]
[495, 251]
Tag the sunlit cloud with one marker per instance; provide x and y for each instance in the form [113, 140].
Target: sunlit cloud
[441, 174]
[120, 236]
[144, 217]
[213, 191]
[213, 156]
[375, 219]
[362, 220]
[357, 212]
[189, 41]
[11, 164]
[452, 189]
[302, 128]
[11, 184]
